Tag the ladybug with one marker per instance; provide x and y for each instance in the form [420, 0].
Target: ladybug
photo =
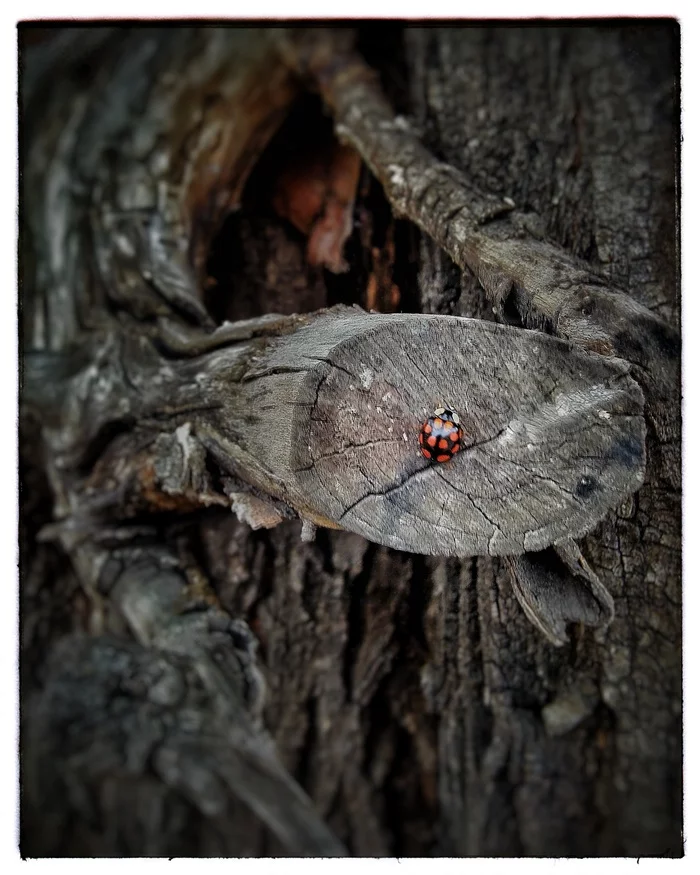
[441, 435]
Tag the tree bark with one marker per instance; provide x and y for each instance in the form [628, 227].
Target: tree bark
[201, 682]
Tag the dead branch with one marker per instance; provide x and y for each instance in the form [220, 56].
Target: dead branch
[325, 416]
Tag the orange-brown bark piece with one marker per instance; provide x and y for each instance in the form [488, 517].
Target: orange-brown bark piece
[317, 194]
[382, 293]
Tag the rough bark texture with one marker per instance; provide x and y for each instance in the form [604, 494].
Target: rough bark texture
[191, 685]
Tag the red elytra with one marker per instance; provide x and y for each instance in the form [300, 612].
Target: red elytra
[441, 435]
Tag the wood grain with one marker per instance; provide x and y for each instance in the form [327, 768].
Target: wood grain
[555, 436]
[325, 417]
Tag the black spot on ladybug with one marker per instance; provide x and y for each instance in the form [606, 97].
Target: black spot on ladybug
[440, 437]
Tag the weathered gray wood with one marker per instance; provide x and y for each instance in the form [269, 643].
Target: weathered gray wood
[178, 709]
[537, 449]
[410, 697]
[326, 418]
[137, 723]
[154, 152]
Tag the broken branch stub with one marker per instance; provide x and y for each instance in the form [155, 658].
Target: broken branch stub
[554, 436]
[323, 412]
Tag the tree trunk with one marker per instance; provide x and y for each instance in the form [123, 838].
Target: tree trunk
[201, 682]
